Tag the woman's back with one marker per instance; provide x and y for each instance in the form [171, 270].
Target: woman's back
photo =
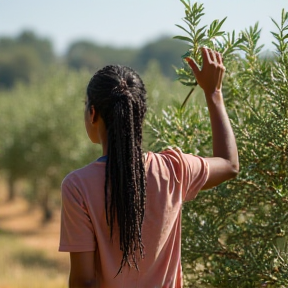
[172, 177]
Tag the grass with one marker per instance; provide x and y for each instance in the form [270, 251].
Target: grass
[24, 267]
[29, 256]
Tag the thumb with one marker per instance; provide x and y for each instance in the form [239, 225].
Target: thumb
[193, 66]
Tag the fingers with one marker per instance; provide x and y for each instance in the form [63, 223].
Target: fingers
[211, 56]
[220, 78]
[208, 55]
[193, 66]
[205, 55]
[219, 58]
[212, 69]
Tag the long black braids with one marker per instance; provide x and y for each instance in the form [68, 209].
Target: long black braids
[119, 96]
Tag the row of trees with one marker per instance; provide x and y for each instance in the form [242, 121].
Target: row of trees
[23, 57]
[28, 56]
[43, 135]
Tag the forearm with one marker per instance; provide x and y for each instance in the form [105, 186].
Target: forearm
[82, 270]
[81, 283]
[224, 143]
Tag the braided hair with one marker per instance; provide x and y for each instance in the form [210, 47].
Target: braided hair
[119, 96]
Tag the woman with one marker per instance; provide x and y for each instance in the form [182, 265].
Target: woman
[121, 214]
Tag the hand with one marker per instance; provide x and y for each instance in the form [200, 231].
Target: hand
[211, 75]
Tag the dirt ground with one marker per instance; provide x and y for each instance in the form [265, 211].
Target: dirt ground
[21, 220]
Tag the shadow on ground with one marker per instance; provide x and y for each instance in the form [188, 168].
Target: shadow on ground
[35, 259]
[27, 256]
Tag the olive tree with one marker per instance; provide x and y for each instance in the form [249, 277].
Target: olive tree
[235, 234]
[43, 135]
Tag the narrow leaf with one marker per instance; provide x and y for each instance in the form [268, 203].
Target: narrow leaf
[185, 4]
[183, 38]
[275, 24]
[179, 26]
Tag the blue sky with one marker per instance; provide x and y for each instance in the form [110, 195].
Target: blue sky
[127, 22]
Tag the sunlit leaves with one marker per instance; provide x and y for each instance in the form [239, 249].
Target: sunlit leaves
[43, 131]
[198, 36]
[281, 37]
[236, 234]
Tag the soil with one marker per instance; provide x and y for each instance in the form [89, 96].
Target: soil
[26, 223]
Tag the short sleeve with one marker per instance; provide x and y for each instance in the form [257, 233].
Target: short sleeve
[77, 232]
[191, 170]
[195, 176]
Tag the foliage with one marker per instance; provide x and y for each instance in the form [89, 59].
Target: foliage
[24, 57]
[161, 91]
[181, 128]
[85, 54]
[212, 37]
[27, 57]
[92, 56]
[235, 234]
[43, 136]
[165, 51]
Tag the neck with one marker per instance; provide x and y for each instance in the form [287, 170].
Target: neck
[102, 137]
[104, 147]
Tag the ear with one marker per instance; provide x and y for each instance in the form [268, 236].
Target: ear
[93, 115]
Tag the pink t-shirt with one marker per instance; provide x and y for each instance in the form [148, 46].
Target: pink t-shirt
[172, 178]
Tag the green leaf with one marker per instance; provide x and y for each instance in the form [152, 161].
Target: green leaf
[284, 17]
[200, 37]
[187, 5]
[201, 29]
[184, 29]
[222, 21]
[275, 35]
[277, 46]
[276, 24]
[187, 54]
[183, 38]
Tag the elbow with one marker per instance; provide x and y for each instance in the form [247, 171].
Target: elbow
[234, 174]
[234, 171]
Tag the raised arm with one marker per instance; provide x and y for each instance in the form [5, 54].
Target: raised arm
[224, 164]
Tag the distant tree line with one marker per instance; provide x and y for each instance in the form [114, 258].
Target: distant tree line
[27, 56]
[23, 57]
[43, 136]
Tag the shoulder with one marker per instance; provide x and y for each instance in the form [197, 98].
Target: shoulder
[73, 185]
[165, 154]
[174, 166]
[177, 162]
[77, 176]
[174, 155]
[169, 159]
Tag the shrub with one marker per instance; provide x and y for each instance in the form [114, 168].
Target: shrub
[235, 235]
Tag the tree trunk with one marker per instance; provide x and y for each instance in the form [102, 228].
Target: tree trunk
[47, 211]
[11, 188]
[45, 204]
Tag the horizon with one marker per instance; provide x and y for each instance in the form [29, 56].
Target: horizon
[119, 25]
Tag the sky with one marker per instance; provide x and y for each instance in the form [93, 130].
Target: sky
[128, 23]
